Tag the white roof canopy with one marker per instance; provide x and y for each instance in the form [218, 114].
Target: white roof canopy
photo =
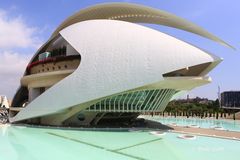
[136, 14]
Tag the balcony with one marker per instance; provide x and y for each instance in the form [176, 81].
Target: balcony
[50, 64]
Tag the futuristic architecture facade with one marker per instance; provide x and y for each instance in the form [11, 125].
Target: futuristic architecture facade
[101, 67]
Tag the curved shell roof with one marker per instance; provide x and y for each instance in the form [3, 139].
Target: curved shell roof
[136, 14]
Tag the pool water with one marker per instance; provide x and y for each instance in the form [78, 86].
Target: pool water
[230, 125]
[28, 143]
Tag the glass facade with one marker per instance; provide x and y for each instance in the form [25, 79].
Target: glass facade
[230, 99]
[44, 55]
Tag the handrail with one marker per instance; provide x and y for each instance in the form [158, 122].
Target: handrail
[52, 59]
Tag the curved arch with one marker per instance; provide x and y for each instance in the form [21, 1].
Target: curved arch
[136, 14]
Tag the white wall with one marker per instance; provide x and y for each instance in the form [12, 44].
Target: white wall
[71, 50]
[4, 102]
[33, 93]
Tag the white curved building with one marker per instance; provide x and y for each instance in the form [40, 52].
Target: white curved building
[4, 104]
[100, 67]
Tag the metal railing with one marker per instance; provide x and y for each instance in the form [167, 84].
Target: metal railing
[136, 101]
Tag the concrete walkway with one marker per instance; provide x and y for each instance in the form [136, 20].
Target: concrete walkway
[206, 132]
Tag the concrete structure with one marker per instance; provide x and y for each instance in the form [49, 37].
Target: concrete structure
[99, 67]
[4, 102]
[230, 99]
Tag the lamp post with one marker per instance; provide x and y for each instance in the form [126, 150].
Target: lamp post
[234, 111]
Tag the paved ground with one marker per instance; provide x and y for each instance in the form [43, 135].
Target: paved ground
[207, 132]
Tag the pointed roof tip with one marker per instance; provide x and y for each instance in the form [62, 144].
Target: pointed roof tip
[137, 13]
[230, 46]
[223, 43]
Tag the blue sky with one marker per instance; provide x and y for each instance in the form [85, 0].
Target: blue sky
[32, 22]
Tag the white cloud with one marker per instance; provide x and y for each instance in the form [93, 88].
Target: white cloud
[12, 63]
[14, 32]
[12, 67]
[16, 38]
